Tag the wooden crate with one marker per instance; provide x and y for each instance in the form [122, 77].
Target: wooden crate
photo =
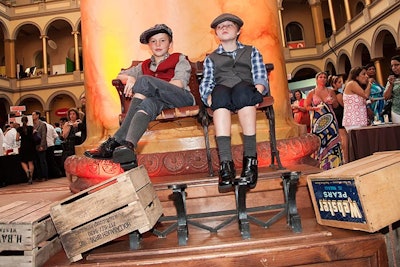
[361, 195]
[104, 212]
[27, 234]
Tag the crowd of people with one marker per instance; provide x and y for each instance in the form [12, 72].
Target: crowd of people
[334, 107]
[37, 142]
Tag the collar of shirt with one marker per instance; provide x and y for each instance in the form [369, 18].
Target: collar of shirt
[153, 60]
[221, 50]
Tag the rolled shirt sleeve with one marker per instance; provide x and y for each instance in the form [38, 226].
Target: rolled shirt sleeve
[208, 82]
[183, 71]
[134, 71]
[260, 75]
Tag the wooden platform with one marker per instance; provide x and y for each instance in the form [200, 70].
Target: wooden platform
[277, 245]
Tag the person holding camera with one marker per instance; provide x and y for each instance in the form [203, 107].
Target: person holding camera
[71, 133]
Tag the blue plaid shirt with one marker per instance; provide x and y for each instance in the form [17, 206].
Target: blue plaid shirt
[257, 68]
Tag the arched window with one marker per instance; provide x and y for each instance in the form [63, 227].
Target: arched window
[294, 32]
[359, 7]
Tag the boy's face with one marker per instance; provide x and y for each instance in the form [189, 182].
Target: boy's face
[227, 31]
[160, 44]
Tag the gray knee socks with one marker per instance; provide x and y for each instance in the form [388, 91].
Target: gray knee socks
[224, 148]
[137, 127]
[249, 146]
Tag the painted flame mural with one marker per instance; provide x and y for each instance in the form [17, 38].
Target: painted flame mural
[110, 37]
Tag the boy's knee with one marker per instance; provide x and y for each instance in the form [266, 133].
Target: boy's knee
[150, 107]
[248, 96]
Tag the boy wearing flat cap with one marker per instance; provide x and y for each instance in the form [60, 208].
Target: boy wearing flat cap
[235, 80]
[157, 83]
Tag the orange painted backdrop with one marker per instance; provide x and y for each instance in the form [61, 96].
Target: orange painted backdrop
[110, 37]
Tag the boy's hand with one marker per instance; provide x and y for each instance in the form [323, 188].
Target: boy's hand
[128, 90]
[209, 101]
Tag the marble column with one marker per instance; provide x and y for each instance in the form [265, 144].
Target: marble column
[378, 67]
[44, 48]
[332, 15]
[348, 12]
[316, 12]
[76, 49]
[9, 52]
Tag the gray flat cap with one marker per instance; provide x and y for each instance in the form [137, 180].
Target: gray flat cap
[226, 17]
[158, 28]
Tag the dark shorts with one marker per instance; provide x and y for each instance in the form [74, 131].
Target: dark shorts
[241, 95]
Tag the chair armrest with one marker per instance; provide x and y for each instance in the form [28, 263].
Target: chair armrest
[118, 85]
[267, 102]
[125, 101]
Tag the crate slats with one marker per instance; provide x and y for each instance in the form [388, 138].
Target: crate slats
[361, 195]
[28, 236]
[106, 211]
[33, 258]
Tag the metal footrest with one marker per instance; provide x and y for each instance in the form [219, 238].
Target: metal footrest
[242, 214]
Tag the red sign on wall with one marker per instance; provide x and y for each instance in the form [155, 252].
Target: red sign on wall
[17, 108]
[297, 44]
[62, 112]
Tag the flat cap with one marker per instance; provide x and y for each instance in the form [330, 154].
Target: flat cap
[158, 28]
[224, 17]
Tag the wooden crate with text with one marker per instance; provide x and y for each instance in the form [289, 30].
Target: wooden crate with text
[106, 211]
[360, 195]
[27, 234]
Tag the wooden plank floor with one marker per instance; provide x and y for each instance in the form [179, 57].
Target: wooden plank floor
[277, 245]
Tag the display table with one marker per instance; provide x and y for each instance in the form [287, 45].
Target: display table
[365, 141]
[11, 170]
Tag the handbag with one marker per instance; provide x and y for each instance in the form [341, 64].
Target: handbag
[387, 108]
[37, 139]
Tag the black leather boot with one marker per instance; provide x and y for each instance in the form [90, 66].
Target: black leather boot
[125, 153]
[104, 151]
[250, 170]
[227, 174]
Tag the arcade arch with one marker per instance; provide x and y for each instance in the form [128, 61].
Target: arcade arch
[344, 63]
[384, 46]
[330, 68]
[304, 72]
[5, 104]
[361, 53]
[27, 42]
[59, 103]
